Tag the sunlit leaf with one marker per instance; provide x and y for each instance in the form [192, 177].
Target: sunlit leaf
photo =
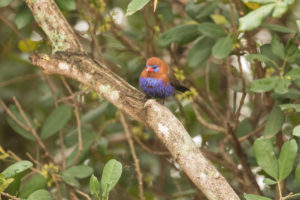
[16, 168]
[296, 131]
[111, 174]
[135, 5]
[94, 187]
[280, 8]
[253, 19]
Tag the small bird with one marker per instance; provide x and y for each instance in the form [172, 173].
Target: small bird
[156, 79]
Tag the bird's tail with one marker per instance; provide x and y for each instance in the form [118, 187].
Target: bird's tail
[181, 88]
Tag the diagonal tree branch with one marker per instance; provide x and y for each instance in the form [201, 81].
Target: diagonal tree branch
[157, 117]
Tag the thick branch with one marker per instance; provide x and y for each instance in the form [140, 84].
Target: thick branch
[160, 119]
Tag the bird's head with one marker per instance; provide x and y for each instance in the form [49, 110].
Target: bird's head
[156, 65]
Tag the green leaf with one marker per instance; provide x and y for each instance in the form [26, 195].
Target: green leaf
[102, 145]
[295, 107]
[40, 195]
[15, 126]
[66, 5]
[255, 197]
[255, 18]
[200, 52]
[16, 168]
[211, 30]
[274, 122]
[243, 128]
[264, 84]
[287, 158]
[23, 17]
[135, 5]
[297, 174]
[265, 156]
[181, 34]
[282, 86]
[200, 12]
[293, 73]
[278, 28]
[222, 48]
[259, 57]
[280, 9]
[80, 171]
[296, 131]
[4, 3]
[277, 47]
[269, 181]
[111, 174]
[94, 187]
[56, 121]
[36, 182]
[4, 183]
[70, 180]
[266, 50]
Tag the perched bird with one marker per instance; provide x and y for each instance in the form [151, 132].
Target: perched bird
[156, 79]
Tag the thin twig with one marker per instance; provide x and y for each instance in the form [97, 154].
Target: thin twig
[83, 194]
[128, 134]
[238, 112]
[205, 123]
[16, 31]
[61, 138]
[10, 196]
[32, 130]
[233, 19]
[146, 148]
[21, 78]
[13, 116]
[76, 111]
[254, 132]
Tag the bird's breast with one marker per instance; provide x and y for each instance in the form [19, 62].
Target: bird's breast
[156, 87]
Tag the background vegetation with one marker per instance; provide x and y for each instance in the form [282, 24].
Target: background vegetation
[240, 60]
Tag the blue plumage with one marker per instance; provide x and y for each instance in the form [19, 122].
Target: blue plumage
[156, 87]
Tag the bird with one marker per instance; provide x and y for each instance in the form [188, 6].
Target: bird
[157, 80]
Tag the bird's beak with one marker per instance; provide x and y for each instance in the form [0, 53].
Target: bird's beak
[149, 69]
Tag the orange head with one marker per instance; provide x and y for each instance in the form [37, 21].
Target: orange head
[156, 65]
